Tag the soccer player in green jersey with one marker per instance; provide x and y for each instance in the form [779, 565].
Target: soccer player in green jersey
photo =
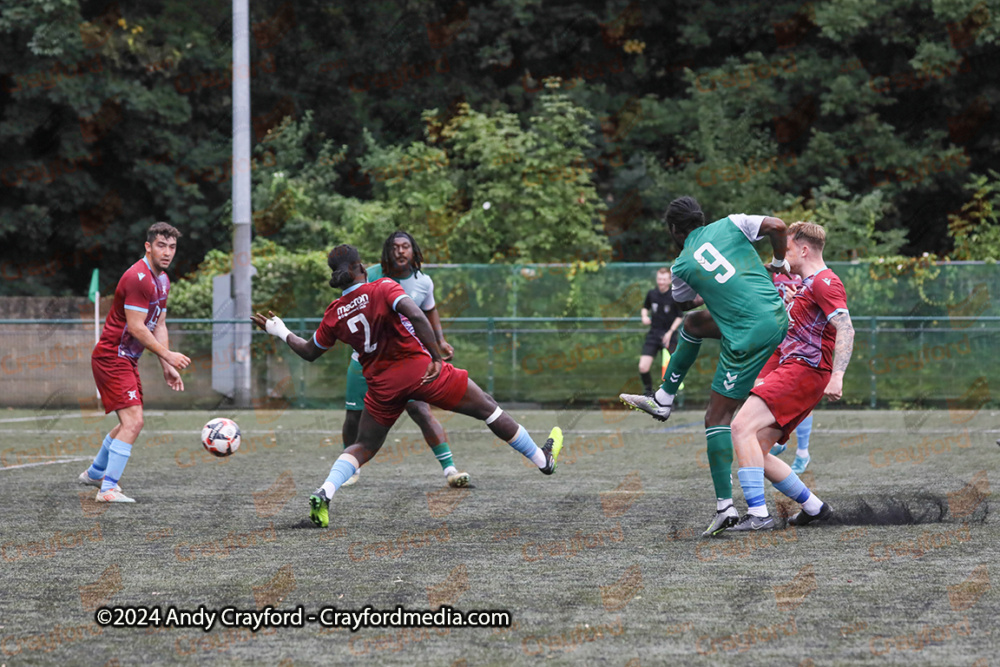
[401, 260]
[719, 267]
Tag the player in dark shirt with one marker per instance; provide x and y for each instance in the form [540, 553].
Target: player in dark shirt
[663, 317]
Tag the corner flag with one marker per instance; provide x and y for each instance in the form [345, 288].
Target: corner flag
[92, 293]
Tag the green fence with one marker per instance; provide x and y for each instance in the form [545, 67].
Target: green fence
[547, 335]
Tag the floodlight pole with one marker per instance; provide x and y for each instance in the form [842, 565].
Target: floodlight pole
[241, 200]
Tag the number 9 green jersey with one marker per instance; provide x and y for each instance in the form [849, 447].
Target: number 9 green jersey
[720, 264]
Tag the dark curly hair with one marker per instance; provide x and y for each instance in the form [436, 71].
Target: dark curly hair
[684, 215]
[340, 260]
[418, 257]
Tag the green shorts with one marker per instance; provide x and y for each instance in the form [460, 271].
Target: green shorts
[741, 361]
[357, 387]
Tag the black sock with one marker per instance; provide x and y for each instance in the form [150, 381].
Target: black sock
[647, 382]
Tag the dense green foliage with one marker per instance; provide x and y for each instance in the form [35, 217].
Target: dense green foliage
[876, 119]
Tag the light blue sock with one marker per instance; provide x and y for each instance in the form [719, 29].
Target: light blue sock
[523, 443]
[803, 431]
[118, 453]
[752, 481]
[341, 471]
[793, 487]
[100, 464]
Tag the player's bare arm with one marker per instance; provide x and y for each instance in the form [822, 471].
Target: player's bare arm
[447, 351]
[843, 348]
[777, 233]
[273, 325]
[170, 374]
[137, 327]
[644, 315]
[425, 334]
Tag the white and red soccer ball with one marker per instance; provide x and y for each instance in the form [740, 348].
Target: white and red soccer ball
[221, 436]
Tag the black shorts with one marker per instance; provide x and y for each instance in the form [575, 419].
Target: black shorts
[654, 342]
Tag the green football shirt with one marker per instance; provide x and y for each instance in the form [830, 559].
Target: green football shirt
[720, 263]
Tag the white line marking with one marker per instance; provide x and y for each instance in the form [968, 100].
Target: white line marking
[46, 463]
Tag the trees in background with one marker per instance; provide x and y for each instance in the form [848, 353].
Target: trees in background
[577, 123]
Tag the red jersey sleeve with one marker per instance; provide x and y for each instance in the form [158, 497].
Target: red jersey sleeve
[829, 294]
[138, 292]
[325, 336]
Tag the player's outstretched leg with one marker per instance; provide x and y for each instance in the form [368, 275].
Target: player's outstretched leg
[371, 435]
[437, 440]
[477, 403]
[696, 326]
[802, 433]
[787, 482]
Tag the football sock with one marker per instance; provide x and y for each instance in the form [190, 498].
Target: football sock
[343, 469]
[722, 503]
[523, 443]
[100, 464]
[752, 481]
[118, 453]
[647, 382]
[812, 505]
[793, 487]
[720, 459]
[443, 454]
[681, 361]
[802, 433]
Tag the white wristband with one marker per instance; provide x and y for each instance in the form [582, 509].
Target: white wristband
[782, 264]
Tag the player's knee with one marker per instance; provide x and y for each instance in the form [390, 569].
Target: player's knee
[419, 412]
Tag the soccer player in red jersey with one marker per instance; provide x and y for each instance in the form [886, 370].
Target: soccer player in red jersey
[401, 360]
[137, 322]
[808, 365]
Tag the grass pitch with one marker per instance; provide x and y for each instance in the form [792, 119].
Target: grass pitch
[600, 564]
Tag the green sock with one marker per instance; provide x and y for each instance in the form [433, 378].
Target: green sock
[720, 458]
[681, 361]
[443, 454]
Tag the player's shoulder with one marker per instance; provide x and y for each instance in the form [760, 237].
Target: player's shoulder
[828, 278]
[138, 275]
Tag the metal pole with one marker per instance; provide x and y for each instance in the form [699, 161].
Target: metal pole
[241, 199]
[871, 358]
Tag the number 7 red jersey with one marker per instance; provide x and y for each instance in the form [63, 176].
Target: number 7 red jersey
[365, 318]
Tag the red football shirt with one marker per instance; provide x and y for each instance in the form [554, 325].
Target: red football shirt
[138, 290]
[810, 336]
[365, 318]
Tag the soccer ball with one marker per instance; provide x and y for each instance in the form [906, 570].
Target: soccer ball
[221, 436]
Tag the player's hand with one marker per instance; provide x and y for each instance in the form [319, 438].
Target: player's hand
[433, 371]
[447, 351]
[272, 325]
[646, 321]
[777, 269]
[835, 388]
[176, 359]
[173, 378]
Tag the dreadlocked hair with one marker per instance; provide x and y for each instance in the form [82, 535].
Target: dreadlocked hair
[684, 215]
[418, 257]
[340, 260]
